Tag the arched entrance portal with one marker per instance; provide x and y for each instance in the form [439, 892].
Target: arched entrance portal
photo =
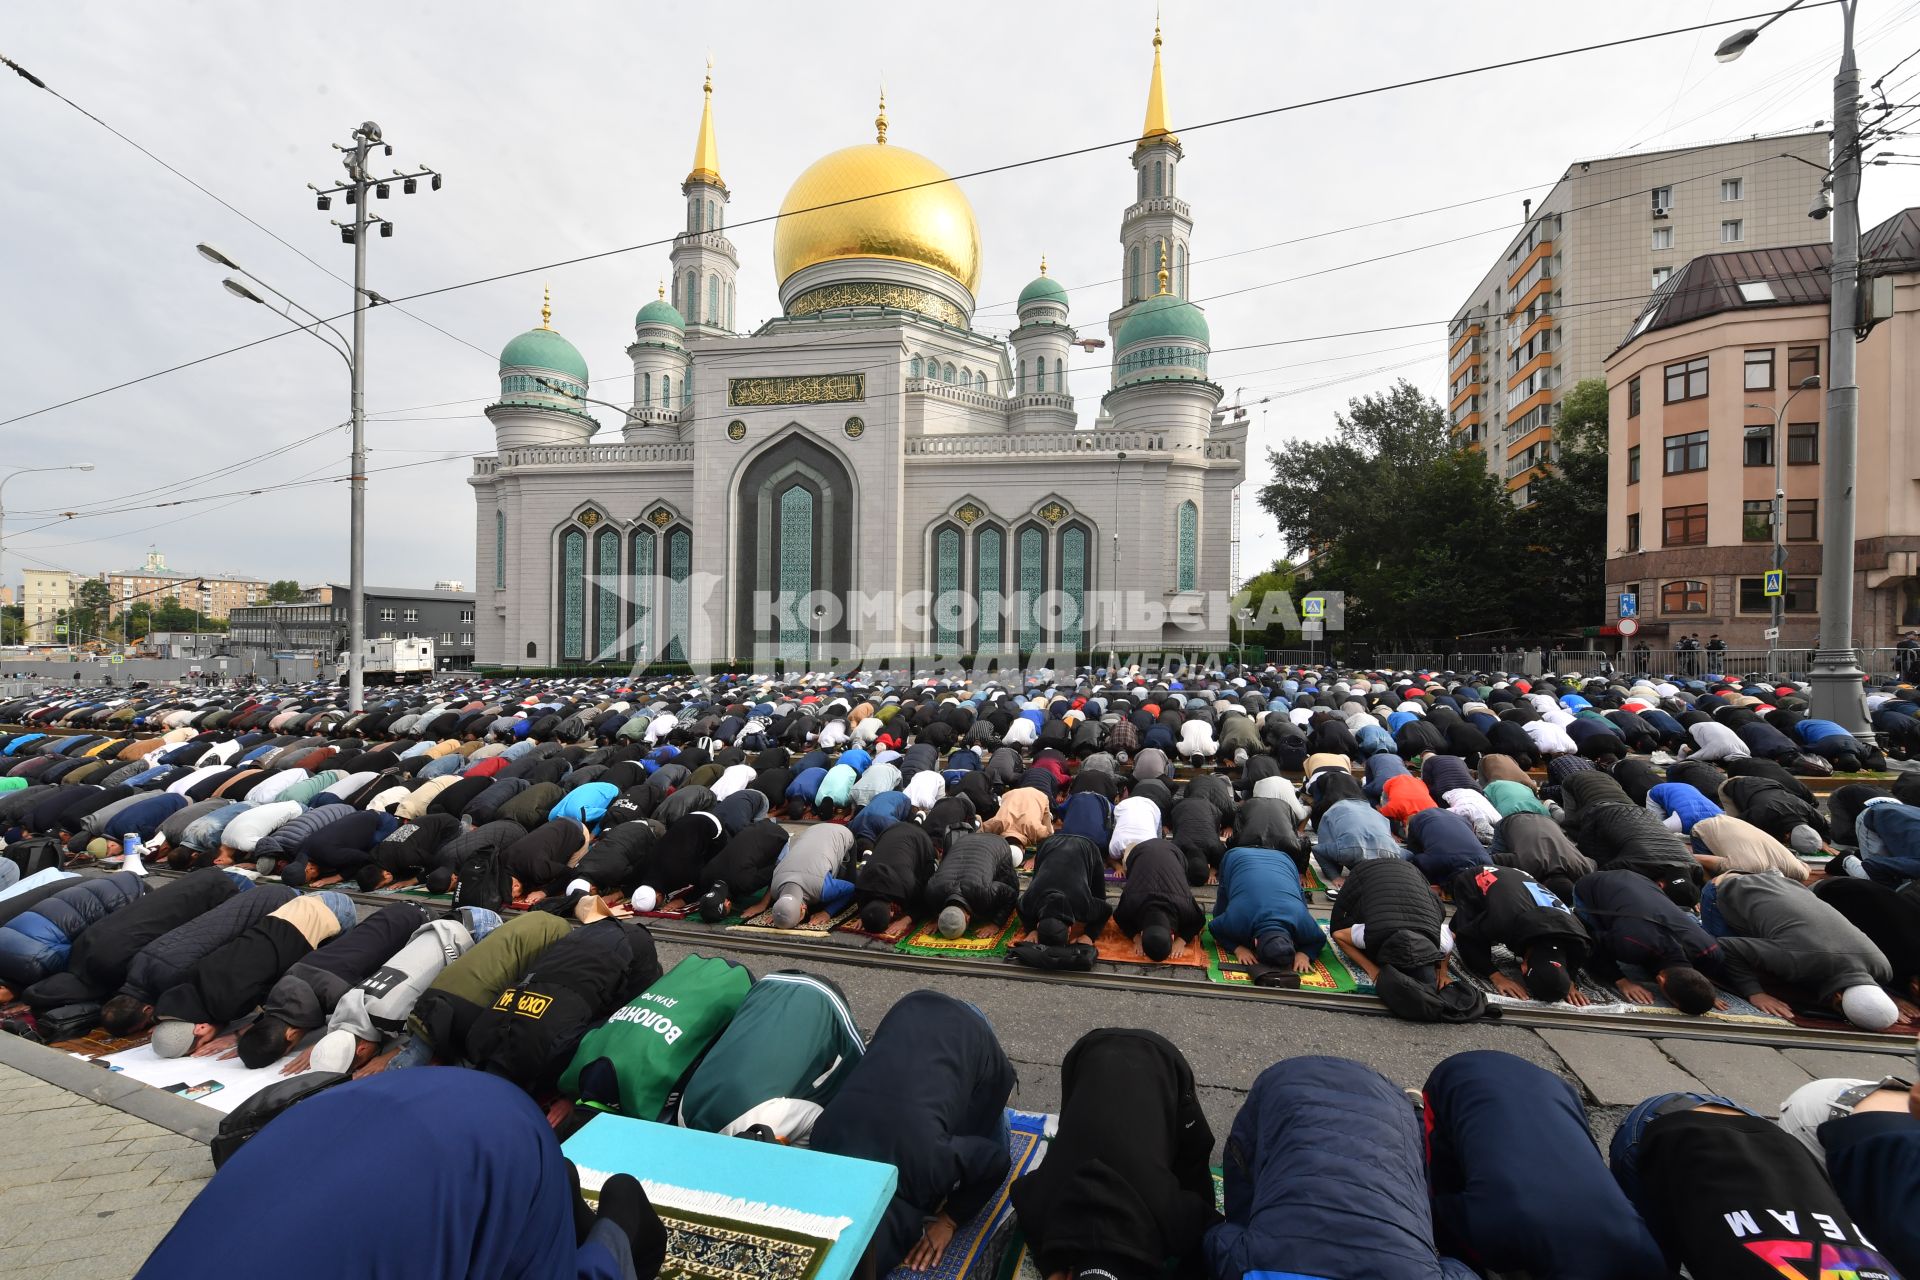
[796, 522]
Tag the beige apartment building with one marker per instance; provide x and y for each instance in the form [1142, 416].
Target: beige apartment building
[44, 595]
[150, 583]
[1563, 293]
[1695, 396]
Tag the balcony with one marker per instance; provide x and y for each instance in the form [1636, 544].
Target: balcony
[1460, 339]
[1158, 205]
[1028, 443]
[1538, 256]
[578, 455]
[966, 395]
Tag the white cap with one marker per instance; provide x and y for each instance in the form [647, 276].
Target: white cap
[645, 898]
[582, 885]
[1868, 1006]
[1019, 853]
[333, 1051]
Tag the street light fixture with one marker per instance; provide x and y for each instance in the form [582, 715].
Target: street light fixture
[1835, 679]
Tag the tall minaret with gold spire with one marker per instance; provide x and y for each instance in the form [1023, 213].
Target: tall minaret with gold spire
[704, 261]
[1158, 223]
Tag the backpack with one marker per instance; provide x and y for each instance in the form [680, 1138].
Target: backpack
[253, 1115]
[480, 881]
[41, 853]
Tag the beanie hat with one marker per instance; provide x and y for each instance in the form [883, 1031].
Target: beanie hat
[1275, 948]
[172, 1039]
[333, 1051]
[1868, 1006]
[98, 846]
[953, 921]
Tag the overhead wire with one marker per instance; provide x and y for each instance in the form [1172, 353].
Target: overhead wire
[1009, 166]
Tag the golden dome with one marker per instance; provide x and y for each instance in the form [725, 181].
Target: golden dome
[926, 219]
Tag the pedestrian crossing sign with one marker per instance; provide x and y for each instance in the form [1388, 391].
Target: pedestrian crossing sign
[1775, 583]
[1313, 607]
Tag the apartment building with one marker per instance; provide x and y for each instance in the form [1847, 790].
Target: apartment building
[1613, 229]
[150, 583]
[44, 595]
[319, 626]
[1707, 410]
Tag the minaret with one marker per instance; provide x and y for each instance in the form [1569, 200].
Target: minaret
[1040, 399]
[1157, 222]
[704, 262]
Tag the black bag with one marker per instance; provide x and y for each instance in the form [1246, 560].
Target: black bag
[481, 881]
[253, 1115]
[38, 854]
[1069, 957]
[68, 1020]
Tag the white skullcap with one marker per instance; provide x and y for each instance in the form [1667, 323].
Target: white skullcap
[645, 898]
[579, 886]
[1868, 1006]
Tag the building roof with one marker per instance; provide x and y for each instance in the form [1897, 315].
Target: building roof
[1753, 279]
[405, 593]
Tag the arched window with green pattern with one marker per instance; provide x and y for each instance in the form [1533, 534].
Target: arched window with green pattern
[1076, 544]
[1159, 178]
[606, 595]
[573, 595]
[666, 391]
[989, 585]
[794, 573]
[1032, 546]
[1187, 547]
[679, 593]
[1180, 269]
[1060, 377]
[713, 299]
[1133, 274]
[693, 298]
[642, 565]
[947, 609]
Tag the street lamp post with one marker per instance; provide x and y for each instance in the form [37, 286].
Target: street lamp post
[1778, 516]
[75, 466]
[1835, 677]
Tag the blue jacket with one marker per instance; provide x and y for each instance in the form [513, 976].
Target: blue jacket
[37, 943]
[1680, 798]
[144, 816]
[1260, 893]
[1324, 1177]
[1379, 769]
[586, 804]
[1442, 843]
[1518, 1185]
[805, 786]
[886, 809]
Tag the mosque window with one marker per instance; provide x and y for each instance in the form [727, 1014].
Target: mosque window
[946, 374]
[1180, 269]
[730, 306]
[796, 568]
[989, 583]
[533, 649]
[1187, 543]
[1133, 274]
[1033, 584]
[966, 376]
[499, 550]
[1159, 178]
[1160, 259]
[713, 216]
[946, 589]
[693, 298]
[573, 595]
[980, 382]
[1060, 376]
[1023, 377]
[686, 392]
[666, 391]
[679, 593]
[1073, 581]
[1143, 185]
[713, 299]
[646, 389]
[913, 370]
[641, 566]
[606, 594]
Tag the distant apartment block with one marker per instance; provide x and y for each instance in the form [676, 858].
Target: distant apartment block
[1563, 294]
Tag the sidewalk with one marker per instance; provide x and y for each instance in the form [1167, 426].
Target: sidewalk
[85, 1190]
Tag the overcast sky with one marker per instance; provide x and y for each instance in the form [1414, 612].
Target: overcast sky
[564, 129]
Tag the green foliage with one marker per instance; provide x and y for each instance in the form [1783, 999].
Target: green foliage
[1424, 540]
[1273, 604]
[284, 591]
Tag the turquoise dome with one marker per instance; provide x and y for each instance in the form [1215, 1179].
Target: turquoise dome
[544, 349]
[1161, 317]
[1043, 289]
[660, 311]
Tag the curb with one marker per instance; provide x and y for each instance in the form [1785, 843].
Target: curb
[109, 1088]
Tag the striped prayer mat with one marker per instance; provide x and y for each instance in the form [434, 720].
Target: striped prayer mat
[1327, 974]
[986, 940]
[979, 1246]
[817, 925]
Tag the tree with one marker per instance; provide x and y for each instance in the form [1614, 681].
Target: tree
[1563, 534]
[285, 591]
[90, 605]
[1265, 592]
[1416, 532]
[13, 624]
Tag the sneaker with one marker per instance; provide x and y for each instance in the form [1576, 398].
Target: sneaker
[1848, 864]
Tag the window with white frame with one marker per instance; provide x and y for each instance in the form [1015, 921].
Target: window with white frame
[1732, 231]
[1732, 189]
[411, 615]
[1661, 275]
[1662, 199]
[1663, 237]
[386, 615]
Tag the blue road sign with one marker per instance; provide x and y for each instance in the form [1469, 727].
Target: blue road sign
[1629, 604]
[1313, 607]
[1776, 582]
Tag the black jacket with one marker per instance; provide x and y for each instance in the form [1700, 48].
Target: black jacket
[1507, 906]
[1157, 886]
[1125, 1186]
[976, 872]
[745, 865]
[532, 1029]
[899, 868]
[926, 1098]
[1069, 883]
[101, 954]
[1387, 895]
[169, 959]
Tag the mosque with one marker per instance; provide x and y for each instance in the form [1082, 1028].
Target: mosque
[867, 472]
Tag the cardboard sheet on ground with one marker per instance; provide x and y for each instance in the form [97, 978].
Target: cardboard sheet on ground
[236, 1082]
[746, 1208]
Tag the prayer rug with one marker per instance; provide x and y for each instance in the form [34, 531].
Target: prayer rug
[1361, 982]
[1116, 947]
[1019, 1263]
[731, 1245]
[1327, 974]
[1603, 1001]
[894, 933]
[671, 909]
[817, 925]
[978, 1246]
[986, 940]
[97, 1044]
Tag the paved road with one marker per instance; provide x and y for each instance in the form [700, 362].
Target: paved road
[86, 1190]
